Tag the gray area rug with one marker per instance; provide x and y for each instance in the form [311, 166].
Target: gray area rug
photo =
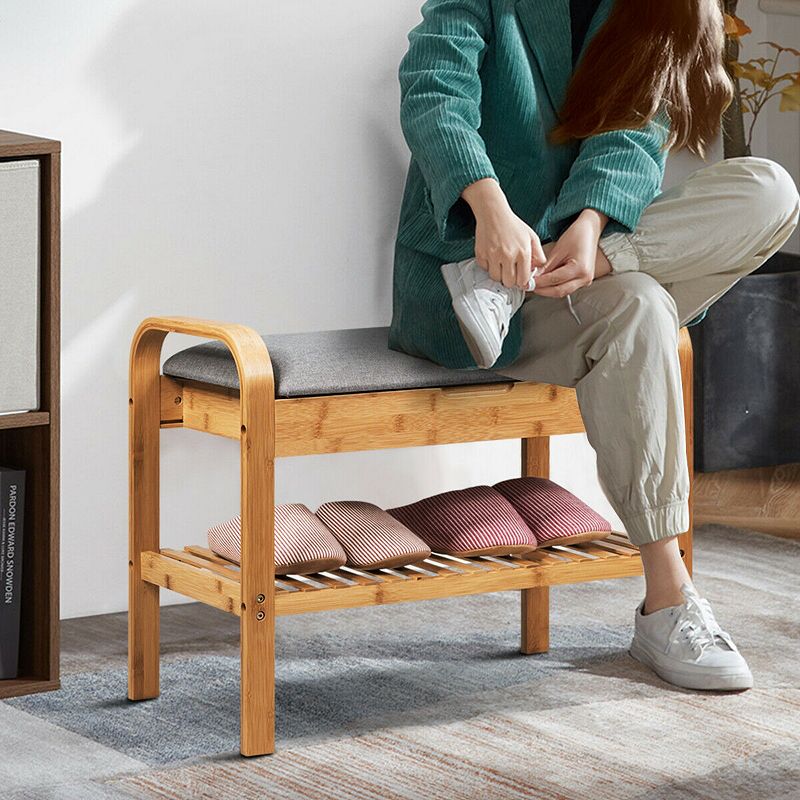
[434, 700]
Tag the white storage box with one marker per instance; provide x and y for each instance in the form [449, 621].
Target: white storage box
[19, 286]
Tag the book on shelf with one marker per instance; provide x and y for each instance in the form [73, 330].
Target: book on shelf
[12, 514]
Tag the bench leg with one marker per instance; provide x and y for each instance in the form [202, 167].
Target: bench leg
[535, 603]
[686, 356]
[535, 609]
[257, 643]
[257, 720]
[143, 535]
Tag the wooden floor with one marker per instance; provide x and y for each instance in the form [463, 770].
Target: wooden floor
[429, 701]
[766, 499]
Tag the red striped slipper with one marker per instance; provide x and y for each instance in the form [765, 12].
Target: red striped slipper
[553, 513]
[476, 521]
[371, 537]
[302, 542]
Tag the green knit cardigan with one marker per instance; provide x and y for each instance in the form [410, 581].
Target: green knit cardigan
[481, 84]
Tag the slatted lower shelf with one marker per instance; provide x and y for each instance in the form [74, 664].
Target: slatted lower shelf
[198, 573]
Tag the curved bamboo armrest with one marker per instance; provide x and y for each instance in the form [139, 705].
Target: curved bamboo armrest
[257, 408]
[257, 400]
[247, 348]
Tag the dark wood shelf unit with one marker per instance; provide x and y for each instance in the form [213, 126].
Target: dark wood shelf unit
[30, 441]
[29, 419]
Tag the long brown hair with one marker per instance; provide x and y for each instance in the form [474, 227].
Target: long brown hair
[648, 53]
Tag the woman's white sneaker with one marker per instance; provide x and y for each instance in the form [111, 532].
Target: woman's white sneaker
[685, 646]
[483, 308]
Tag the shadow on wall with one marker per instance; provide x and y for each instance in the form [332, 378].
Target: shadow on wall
[261, 184]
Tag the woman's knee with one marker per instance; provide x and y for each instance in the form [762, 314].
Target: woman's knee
[772, 194]
[644, 304]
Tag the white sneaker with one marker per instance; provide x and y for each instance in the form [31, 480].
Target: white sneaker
[685, 646]
[483, 307]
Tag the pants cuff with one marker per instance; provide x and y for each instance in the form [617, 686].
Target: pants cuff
[661, 522]
[620, 252]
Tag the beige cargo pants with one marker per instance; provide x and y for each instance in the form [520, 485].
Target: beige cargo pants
[692, 244]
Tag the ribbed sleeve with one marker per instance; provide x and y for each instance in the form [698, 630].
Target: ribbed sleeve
[617, 172]
[440, 107]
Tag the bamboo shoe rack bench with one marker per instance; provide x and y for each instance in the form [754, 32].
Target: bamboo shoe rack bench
[269, 427]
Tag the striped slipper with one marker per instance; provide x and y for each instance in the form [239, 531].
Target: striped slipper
[553, 513]
[477, 521]
[302, 542]
[371, 537]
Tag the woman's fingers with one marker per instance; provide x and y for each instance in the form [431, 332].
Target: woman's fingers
[562, 272]
[535, 261]
[523, 267]
[509, 268]
[561, 290]
[554, 260]
[506, 247]
[538, 256]
[512, 266]
[510, 272]
[496, 269]
[563, 280]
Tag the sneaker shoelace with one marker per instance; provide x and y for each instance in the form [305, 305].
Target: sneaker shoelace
[500, 296]
[698, 626]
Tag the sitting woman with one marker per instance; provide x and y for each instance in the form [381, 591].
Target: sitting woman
[534, 239]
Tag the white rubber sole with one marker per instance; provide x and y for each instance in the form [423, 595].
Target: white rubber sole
[688, 678]
[483, 342]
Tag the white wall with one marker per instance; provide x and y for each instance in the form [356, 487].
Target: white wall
[239, 161]
[777, 133]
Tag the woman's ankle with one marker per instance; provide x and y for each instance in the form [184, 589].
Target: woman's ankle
[658, 600]
[665, 573]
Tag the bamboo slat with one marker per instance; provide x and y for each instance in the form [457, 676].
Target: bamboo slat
[199, 573]
[461, 563]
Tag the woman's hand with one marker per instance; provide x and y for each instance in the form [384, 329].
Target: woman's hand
[505, 246]
[575, 259]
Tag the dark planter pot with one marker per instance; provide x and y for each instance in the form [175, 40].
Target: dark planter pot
[747, 371]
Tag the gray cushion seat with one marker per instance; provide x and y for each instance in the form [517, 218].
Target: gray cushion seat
[326, 362]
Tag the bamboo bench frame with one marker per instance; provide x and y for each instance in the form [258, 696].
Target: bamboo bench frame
[268, 428]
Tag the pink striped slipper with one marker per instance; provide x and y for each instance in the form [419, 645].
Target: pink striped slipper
[302, 542]
[371, 537]
[475, 521]
[553, 513]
